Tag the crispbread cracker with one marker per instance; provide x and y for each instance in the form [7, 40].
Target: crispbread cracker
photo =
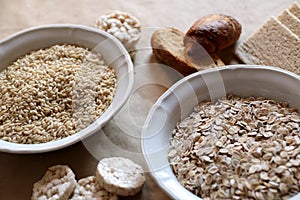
[295, 9]
[290, 21]
[273, 44]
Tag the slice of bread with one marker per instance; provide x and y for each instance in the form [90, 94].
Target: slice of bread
[295, 9]
[290, 21]
[272, 44]
[167, 45]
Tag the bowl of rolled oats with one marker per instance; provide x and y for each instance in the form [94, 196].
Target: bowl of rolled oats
[60, 83]
[231, 132]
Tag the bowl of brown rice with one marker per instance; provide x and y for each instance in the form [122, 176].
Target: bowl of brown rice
[60, 83]
[231, 132]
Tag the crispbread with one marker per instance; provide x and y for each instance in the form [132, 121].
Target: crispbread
[272, 44]
[295, 9]
[167, 45]
[290, 21]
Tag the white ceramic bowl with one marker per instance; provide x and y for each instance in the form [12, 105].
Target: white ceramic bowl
[178, 102]
[39, 37]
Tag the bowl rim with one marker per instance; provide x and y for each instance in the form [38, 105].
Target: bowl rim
[157, 174]
[17, 148]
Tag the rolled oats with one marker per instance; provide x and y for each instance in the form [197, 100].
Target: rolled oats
[255, 155]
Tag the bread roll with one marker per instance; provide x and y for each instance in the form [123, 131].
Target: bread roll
[214, 32]
[167, 45]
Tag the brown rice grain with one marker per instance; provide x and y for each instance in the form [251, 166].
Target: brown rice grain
[44, 93]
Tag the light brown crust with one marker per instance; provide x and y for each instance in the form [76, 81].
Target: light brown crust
[214, 32]
[167, 45]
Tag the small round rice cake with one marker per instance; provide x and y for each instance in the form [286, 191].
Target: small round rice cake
[58, 183]
[120, 176]
[89, 188]
[123, 26]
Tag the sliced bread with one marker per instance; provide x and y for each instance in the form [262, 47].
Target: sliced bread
[290, 21]
[272, 44]
[295, 9]
[167, 45]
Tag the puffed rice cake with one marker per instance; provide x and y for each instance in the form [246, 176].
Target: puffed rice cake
[89, 188]
[58, 183]
[120, 176]
[124, 26]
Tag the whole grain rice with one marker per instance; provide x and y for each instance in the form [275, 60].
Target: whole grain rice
[52, 93]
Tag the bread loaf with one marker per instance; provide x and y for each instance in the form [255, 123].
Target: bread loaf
[214, 32]
[167, 45]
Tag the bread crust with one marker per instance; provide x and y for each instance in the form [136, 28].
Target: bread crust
[214, 32]
[167, 46]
